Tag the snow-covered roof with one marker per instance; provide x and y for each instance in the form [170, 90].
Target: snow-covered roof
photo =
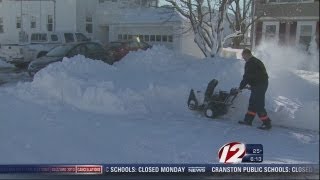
[140, 16]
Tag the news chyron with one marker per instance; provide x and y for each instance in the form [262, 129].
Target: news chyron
[236, 152]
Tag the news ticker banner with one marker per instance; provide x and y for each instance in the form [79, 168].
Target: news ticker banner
[114, 169]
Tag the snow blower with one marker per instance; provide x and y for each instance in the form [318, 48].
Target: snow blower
[212, 104]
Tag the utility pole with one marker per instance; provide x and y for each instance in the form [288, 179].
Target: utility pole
[40, 16]
[253, 26]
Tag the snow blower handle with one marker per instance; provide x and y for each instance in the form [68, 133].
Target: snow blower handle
[247, 87]
[238, 90]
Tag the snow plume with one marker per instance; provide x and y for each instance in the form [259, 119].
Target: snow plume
[289, 57]
[293, 93]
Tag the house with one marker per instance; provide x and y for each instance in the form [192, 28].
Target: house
[156, 26]
[20, 18]
[17, 17]
[101, 20]
[288, 22]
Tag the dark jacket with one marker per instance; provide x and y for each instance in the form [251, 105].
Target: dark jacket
[254, 73]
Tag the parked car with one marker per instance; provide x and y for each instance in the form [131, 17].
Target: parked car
[119, 49]
[90, 50]
[37, 45]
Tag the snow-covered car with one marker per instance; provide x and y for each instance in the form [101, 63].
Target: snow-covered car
[37, 45]
[90, 50]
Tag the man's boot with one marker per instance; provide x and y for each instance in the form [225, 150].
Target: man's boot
[266, 125]
[248, 119]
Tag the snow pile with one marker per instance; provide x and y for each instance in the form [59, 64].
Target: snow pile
[154, 81]
[83, 83]
[158, 81]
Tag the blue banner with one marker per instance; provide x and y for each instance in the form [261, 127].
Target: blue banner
[113, 169]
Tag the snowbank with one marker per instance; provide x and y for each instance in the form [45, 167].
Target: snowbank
[158, 81]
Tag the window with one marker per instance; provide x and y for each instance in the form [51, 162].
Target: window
[129, 37]
[158, 38]
[18, 22]
[68, 37]
[170, 38]
[33, 24]
[144, 3]
[1, 25]
[146, 38]
[54, 38]
[141, 37]
[89, 25]
[120, 37]
[153, 3]
[270, 31]
[152, 38]
[39, 37]
[164, 38]
[102, 1]
[125, 37]
[305, 35]
[81, 37]
[50, 23]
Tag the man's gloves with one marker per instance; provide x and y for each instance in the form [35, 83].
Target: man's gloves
[246, 87]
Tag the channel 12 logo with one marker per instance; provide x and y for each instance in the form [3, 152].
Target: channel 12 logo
[236, 152]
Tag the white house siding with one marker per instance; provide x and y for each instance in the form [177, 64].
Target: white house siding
[10, 10]
[66, 15]
[86, 8]
[188, 46]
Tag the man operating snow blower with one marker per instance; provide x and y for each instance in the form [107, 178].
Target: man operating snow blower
[256, 77]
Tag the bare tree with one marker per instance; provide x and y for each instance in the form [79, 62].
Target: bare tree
[242, 19]
[206, 18]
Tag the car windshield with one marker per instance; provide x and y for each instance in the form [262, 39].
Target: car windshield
[59, 51]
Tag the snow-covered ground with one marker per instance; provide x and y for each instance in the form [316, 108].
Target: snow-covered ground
[85, 111]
